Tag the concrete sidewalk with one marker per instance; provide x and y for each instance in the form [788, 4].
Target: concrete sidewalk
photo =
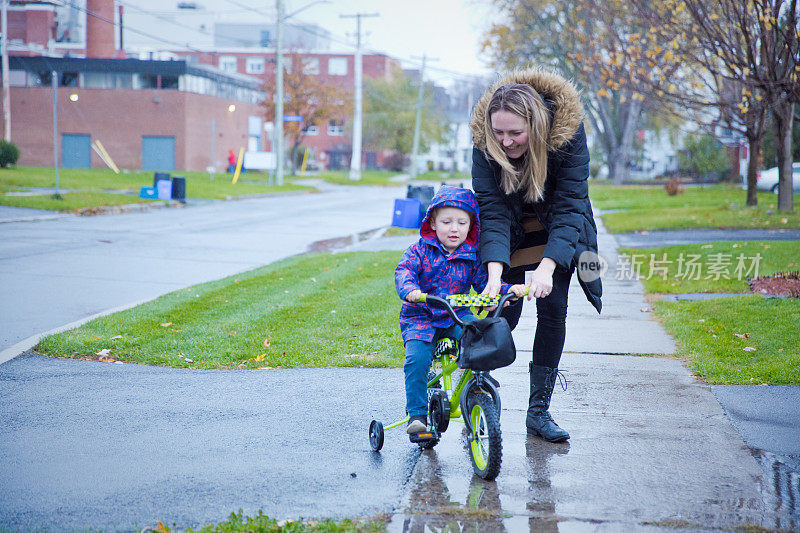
[651, 448]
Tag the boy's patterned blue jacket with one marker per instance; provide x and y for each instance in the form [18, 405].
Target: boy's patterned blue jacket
[426, 266]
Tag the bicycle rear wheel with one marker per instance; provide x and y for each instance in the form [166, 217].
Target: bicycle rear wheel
[485, 441]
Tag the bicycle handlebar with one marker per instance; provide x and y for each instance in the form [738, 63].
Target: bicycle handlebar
[442, 302]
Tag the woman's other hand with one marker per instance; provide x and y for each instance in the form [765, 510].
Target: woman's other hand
[541, 282]
[413, 296]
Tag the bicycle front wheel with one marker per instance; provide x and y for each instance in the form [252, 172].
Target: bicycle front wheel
[485, 441]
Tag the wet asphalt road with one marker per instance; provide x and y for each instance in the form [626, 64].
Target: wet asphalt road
[121, 447]
[91, 445]
[56, 271]
[655, 239]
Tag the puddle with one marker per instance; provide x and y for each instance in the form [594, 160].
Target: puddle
[781, 487]
[338, 243]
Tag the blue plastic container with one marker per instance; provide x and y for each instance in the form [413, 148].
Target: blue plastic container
[148, 192]
[164, 188]
[407, 213]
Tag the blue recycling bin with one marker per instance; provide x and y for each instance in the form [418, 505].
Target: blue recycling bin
[164, 188]
[407, 213]
[148, 192]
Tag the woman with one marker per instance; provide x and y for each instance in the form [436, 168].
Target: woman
[530, 166]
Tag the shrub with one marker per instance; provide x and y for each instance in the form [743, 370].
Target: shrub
[9, 153]
[704, 155]
[673, 187]
[395, 162]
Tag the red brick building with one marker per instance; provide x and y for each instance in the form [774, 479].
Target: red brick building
[153, 115]
[139, 107]
[328, 142]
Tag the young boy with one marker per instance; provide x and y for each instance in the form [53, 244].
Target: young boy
[444, 261]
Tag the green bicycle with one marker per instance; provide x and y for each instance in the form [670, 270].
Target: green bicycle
[474, 400]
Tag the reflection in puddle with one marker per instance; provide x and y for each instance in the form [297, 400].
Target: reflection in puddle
[431, 508]
[337, 243]
[541, 502]
[782, 490]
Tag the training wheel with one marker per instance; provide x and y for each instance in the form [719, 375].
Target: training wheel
[376, 435]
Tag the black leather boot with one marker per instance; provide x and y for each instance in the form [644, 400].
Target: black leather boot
[539, 421]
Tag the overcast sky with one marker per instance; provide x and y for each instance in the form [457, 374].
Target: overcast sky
[448, 31]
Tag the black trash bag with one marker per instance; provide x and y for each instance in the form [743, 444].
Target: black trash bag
[487, 344]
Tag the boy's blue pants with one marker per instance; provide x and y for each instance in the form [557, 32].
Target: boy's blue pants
[418, 360]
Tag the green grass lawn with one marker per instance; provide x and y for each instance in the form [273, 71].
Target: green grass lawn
[315, 310]
[710, 267]
[368, 177]
[444, 175]
[712, 334]
[260, 523]
[71, 201]
[92, 187]
[717, 206]
[717, 338]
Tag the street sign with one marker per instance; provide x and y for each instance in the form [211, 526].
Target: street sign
[292, 118]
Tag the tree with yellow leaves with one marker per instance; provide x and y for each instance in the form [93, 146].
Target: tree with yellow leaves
[569, 37]
[307, 96]
[732, 60]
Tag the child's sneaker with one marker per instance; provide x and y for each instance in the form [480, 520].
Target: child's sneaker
[417, 424]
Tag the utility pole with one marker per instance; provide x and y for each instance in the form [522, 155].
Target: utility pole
[6, 93]
[358, 74]
[54, 79]
[418, 120]
[277, 144]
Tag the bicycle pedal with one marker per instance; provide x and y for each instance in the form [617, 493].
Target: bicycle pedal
[424, 436]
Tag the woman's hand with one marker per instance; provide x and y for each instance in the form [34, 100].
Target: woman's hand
[413, 296]
[541, 283]
[494, 269]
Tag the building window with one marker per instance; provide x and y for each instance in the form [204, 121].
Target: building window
[266, 39]
[311, 130]
[227, 63]
[255, 65]
[336, 128]
[310, 65]
[337, 66]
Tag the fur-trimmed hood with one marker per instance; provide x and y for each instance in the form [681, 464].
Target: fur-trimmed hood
[567, 110]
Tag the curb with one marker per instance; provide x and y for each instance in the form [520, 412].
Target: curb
[24, 345]
[142, 207]
[101, 210]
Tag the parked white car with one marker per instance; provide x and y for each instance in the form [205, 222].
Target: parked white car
[767, 180]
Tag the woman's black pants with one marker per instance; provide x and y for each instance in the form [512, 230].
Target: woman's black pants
[551, 317]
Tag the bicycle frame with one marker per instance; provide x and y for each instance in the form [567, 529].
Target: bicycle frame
[449, 365]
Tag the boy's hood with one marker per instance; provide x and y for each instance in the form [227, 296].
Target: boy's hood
[559, 95]
[454, 197]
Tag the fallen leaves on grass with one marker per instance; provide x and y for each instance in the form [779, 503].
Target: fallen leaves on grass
[165, 324]
[749, 348]
[104, 356]
[116, 337]
[742, 335]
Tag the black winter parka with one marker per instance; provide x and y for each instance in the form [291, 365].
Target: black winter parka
[565, 211]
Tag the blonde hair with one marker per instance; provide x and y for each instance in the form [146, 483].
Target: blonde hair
[530, 173]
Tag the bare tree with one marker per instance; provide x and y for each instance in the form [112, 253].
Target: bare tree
[568, 36]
